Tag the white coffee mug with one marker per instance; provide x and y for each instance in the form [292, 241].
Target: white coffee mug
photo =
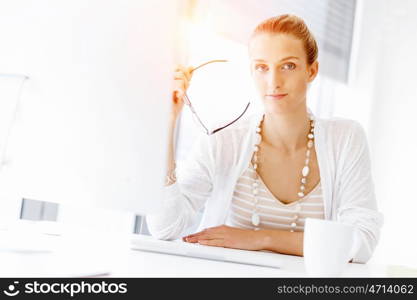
[328, 247]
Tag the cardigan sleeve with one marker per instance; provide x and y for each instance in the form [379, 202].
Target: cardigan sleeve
[185, 198]
[356, 195]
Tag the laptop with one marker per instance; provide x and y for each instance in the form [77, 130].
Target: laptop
[179, 247]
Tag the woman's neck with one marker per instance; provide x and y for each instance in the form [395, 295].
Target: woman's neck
[286, 133]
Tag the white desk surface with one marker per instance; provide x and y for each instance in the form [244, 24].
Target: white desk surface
[87, 255]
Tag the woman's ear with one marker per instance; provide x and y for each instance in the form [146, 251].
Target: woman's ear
[313, 70]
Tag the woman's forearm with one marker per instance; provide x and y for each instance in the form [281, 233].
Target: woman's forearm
[281, 241]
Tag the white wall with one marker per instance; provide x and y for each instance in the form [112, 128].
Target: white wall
[383, 95]
[393, 128]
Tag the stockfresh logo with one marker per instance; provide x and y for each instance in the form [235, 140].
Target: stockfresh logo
[12, 289]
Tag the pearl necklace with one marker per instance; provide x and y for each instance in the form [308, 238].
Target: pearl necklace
[256, 220]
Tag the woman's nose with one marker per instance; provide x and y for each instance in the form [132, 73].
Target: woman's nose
[275, 80]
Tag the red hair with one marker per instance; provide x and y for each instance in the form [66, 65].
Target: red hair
[295, 26]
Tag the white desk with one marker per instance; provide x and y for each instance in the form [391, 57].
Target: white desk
[142, 264]
[81, 254]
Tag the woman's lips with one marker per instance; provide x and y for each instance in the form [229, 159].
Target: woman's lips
[276, 96]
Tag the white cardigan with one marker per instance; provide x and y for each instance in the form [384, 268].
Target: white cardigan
[208, 178]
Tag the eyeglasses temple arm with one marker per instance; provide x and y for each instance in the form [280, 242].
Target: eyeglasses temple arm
[218, 129]
[195, 113]
[209, 62]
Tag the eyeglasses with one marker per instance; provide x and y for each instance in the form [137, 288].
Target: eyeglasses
[195, 115]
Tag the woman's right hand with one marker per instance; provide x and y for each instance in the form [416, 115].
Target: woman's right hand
[182, 77]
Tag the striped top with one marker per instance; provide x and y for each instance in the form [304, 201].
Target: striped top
[273, 213]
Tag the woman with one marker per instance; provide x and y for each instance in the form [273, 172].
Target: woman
[258, 179]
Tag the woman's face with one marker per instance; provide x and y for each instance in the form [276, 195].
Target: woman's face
[280, 71]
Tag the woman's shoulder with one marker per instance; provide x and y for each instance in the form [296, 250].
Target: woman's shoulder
[338, 125]
[343, 131]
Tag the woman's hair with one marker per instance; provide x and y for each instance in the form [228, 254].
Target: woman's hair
[293, 25]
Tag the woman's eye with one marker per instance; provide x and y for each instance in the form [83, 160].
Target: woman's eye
[288, 66]
[261, 68]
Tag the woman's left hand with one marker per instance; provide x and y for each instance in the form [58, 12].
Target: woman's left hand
[228, 237]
